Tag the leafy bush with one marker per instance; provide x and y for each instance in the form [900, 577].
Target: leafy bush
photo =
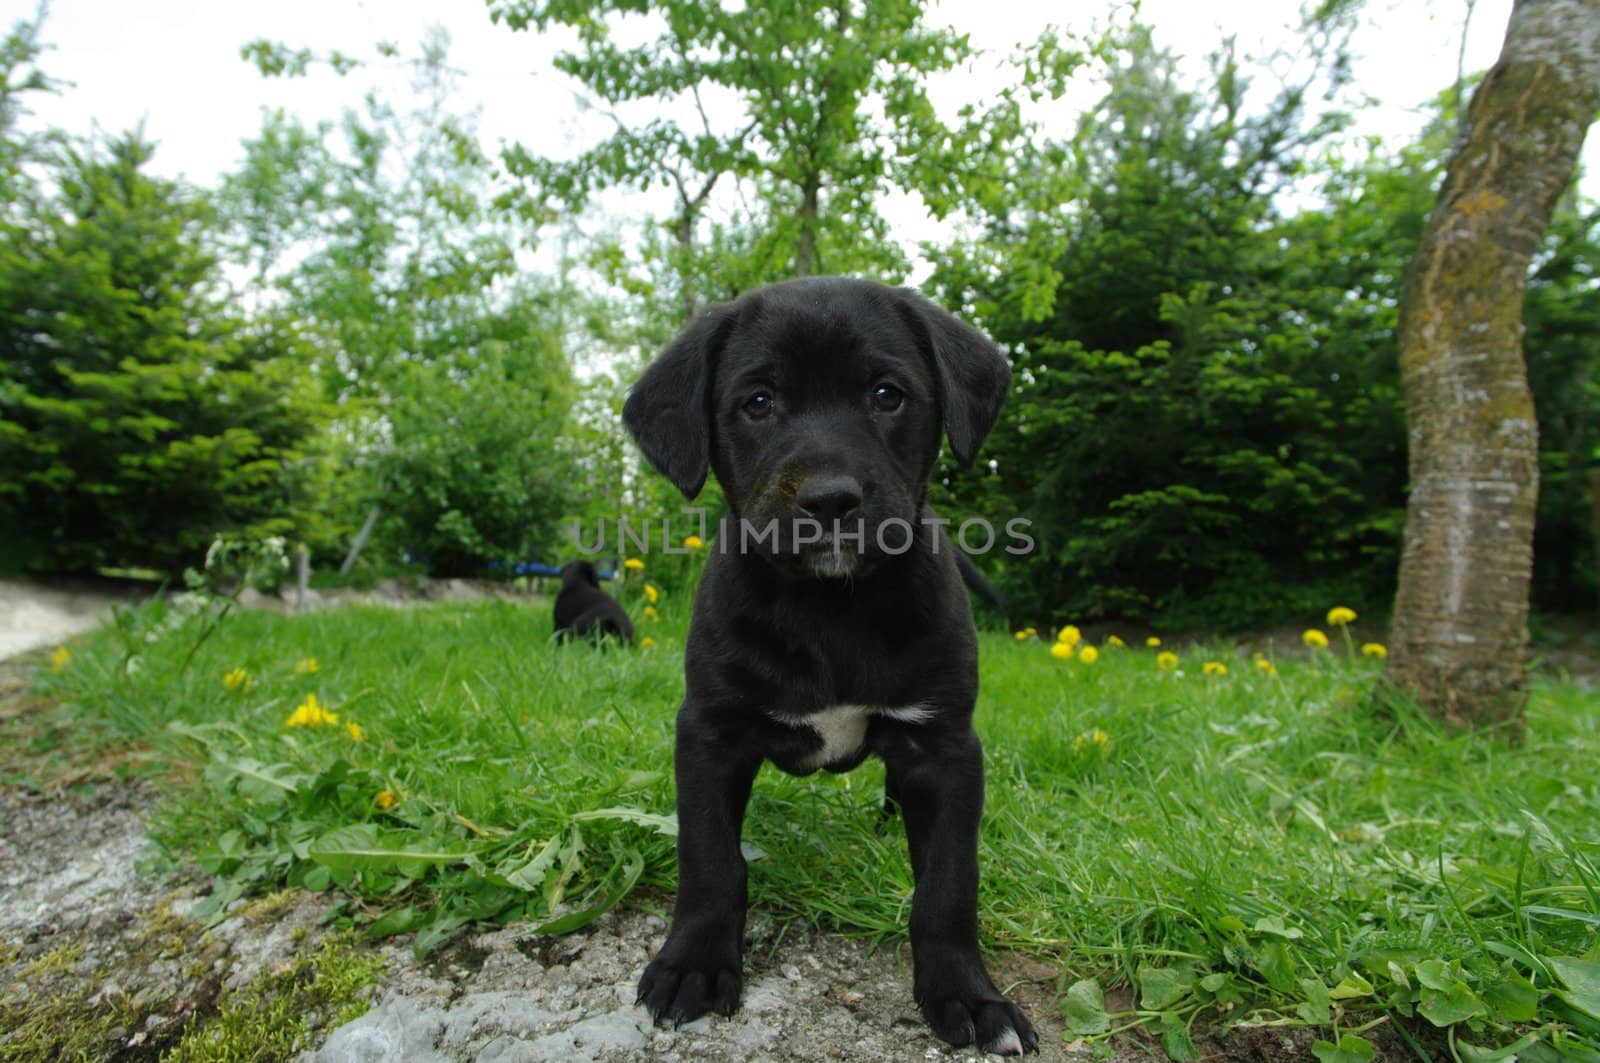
[474, 473]
[140, 417]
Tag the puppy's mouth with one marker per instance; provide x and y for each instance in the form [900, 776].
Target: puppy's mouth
[833, 556]
[806, 548]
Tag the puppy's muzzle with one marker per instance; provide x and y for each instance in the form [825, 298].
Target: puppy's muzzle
[830, 500]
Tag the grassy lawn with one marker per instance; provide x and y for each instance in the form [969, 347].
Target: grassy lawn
[1284, 844]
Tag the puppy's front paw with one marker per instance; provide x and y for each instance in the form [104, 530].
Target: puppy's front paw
[685, 983]
[963, 1007]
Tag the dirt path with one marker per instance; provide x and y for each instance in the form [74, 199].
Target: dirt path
[34, 615]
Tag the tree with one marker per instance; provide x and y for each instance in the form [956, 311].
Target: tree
[465, 478]
[834, 114]
[20, 77]
[384, 250]
[141, 415]
[1199, 426]
[1460, 629]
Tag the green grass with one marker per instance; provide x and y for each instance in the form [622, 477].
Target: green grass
[1291, 847]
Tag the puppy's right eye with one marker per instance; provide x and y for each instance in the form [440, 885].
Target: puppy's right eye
[758, 405]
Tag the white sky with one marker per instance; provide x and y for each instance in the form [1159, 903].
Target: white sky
[174, 64]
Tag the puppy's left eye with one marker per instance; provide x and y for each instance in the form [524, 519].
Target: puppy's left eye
[886, 398]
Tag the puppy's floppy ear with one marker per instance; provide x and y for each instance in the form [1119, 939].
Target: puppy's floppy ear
[668, 411]
[973, 375]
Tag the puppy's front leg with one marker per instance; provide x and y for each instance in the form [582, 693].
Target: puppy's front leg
[699, 969]
[939, 786]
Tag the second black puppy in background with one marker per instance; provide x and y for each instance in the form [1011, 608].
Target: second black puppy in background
[584, 610]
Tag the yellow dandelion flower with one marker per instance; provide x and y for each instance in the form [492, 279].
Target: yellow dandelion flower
[1166, 661]
[633, 564]
[1375, 649]
[652, 594]
[1214, 668]
[694, 542]
[1265, 665]
[1031, 631]
[1095, 737]
[60, 657]
[1314, 638]
[1088, 655]
[306, 666]
[1021, 636]
[236, 680]
[1152, 642]
[1114, 642]
[1339, 616]
[651, 614]
[311, 713]
[385, 799]
[356, 732]
[1069, 635]
[646, 642]
[1061, 651]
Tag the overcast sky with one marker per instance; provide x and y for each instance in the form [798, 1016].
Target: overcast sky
[174, 65]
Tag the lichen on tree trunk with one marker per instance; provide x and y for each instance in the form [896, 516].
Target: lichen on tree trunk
[1460, 636]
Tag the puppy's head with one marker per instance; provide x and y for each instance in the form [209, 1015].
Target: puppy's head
[579, 574]
[819, 404]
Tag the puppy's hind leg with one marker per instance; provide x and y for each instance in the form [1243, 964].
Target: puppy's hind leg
[700, 968]
[940, 789]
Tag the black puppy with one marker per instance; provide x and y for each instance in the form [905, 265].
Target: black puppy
[586, 611]
[831, 622]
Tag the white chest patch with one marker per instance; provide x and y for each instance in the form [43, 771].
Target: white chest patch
[843, 728]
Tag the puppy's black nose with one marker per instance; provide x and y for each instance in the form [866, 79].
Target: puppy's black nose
[829, 498]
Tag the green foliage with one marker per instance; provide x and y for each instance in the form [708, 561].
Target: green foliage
[1267, 845]
[1202, 428]
[834, 113]
[1206, 424]
[21, 76]
[1564, 372]
[141, 415]
[466, 480]
[379, 243]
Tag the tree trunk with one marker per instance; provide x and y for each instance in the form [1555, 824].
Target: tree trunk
[1460, 636]
[361, 541]
[685, 234]
[1594, 505]
[689, 211]
[302, 575]
[805, 254]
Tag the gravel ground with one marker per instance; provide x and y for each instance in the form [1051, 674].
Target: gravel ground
[505, 996]
[34, 615]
